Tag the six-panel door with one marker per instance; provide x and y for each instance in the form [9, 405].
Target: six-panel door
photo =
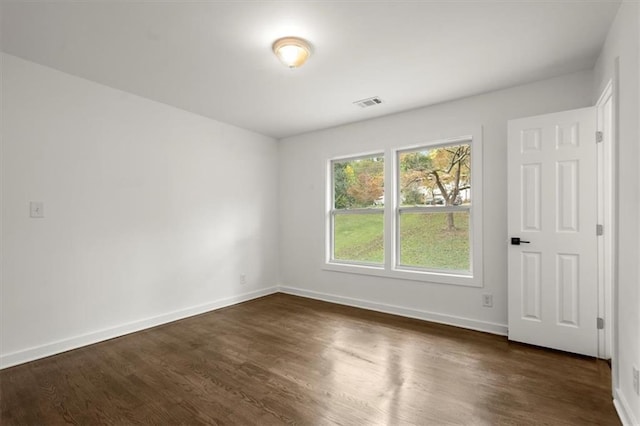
[552, 206]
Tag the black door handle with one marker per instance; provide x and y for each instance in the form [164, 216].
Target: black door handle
[516, 241]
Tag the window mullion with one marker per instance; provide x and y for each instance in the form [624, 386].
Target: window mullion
[389, 207]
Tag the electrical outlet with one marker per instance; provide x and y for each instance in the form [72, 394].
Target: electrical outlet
[36, 209]
[487, 300]
[243, 279]
[636, 380]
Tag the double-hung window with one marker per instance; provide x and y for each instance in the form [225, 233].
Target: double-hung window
[357, 214]
[427, 227]
[433, 208]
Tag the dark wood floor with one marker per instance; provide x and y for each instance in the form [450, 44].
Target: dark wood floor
[284, 359]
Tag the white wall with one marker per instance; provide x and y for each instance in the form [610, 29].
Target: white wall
[302, 195]
[151, 213]
[622, 44]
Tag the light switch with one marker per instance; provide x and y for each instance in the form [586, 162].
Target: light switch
[36, 209]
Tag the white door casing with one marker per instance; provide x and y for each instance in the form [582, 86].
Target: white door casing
[607, 200]
[552, 204]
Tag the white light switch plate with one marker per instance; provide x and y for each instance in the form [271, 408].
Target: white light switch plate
[36, 209]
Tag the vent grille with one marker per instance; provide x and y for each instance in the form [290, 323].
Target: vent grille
[369, 102]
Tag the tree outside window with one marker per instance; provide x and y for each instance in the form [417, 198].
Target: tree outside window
[434, 190]
[431, 225]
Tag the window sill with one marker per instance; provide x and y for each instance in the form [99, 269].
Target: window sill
[405, 274]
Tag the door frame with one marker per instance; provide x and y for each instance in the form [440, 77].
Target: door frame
[611, 92]
[607, 199]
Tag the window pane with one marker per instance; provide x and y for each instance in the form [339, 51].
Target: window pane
[359, 237]
[438, 176]
[358, 183]
[435, 240]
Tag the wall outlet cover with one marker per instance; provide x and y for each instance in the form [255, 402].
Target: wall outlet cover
[487, 300]
[36, 209]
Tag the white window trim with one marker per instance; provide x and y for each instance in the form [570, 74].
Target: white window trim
[390, 268]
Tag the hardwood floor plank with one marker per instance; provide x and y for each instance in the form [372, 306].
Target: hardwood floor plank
[283, 359]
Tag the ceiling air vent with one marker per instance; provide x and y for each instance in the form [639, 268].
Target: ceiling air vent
[369, 102]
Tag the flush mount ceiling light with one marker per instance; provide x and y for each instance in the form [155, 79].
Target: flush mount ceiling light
[292, 51]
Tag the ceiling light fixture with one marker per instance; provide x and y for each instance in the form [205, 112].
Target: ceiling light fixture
[292, 51]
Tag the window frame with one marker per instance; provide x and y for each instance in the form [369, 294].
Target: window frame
[399, 209]
[333, 212]
[391, 211]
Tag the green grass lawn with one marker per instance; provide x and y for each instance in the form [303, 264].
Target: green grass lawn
[359, 237]
[424, 240]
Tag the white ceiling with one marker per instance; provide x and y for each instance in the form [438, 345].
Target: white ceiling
[214, 57]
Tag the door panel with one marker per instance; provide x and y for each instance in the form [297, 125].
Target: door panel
[552, 209]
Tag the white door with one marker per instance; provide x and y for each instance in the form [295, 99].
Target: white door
[552, 209]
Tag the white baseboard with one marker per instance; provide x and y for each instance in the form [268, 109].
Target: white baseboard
[53, 348]
[624, 410]
[487, 327]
